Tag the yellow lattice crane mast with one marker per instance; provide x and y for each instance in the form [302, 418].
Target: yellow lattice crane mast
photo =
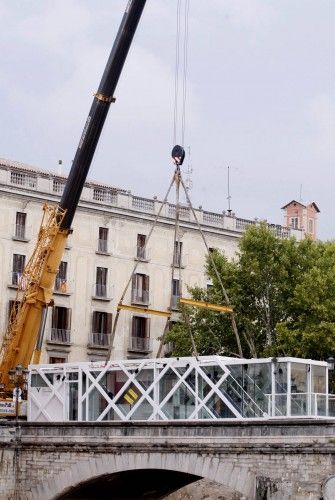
[24, 334]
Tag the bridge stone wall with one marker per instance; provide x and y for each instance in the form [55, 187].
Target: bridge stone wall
[278, 460]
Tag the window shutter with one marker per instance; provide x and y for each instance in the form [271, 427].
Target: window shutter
[68, 318]
[54, 320]
[146, 283]
[133, 326]
[147, 329]
[94, 322]
[109, 322]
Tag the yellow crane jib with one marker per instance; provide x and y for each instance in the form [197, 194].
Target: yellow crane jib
[206, 305]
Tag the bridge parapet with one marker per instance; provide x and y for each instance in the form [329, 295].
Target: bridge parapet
[287, 459]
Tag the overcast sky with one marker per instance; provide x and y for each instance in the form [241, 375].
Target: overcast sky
[260, 97]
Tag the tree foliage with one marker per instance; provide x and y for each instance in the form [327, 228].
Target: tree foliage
[283, 293]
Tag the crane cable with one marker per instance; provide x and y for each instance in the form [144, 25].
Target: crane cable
[183, 97]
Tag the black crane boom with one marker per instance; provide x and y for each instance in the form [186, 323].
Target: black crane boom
[99, 109]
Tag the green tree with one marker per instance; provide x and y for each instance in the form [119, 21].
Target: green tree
[283, 292]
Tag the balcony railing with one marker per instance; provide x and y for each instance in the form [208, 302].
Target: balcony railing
[18, 280]
[20, 232]
[142, 253]
[102, 246]
[60, 336]
[100, 339]
[175, 302]
[61, 286]
[140, 296]
[102, 291]
[23, 179]
[143, 204]
[140, 344]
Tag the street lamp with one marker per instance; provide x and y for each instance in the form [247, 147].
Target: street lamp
[18, 377]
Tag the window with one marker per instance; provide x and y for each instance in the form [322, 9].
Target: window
[310, 226]
[140, 289]
[58, 186]
[140, 334]
[103, 238]
[101, 328]
[101, 282]
[17, 271]
[23, 179]
[55, 360]
[141, 240]
[20, 225]
[177, 261]
[61, 325]
[175, 293]
[61, 279]
[294, 222]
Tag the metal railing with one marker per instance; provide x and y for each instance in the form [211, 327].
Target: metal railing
[139, 296]
[102, 246]
[61, 285]
[17, 279]
[99, 339]
[60, 336]
[101, 291]
[141, 344]
[20, 231]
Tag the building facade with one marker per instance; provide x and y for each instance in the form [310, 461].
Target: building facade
[110, 230]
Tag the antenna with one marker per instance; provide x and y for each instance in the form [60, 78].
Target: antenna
[300, 193]
[228, 186]
[60, 167]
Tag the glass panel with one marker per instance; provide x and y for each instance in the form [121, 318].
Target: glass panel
[73, 401]
[128, 398]
[203, 414]
[166, 384]
[213, 372]
[190, 380]
[319, 379]
[280, 405]
[299, 404]
[145, 378]
[203, 387]
[180, 405]
[299, 372]
[38, 381]
[280, 371]
[219, 408]
[143, 412]
[96, 404]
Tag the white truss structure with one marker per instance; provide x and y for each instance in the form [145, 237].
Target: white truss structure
[208, 387]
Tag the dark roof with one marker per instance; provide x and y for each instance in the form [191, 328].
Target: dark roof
[295, 202]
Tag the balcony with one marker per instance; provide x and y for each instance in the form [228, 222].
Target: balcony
[17, 280]
[142, 254]
[59, 336]
[175, 302]
[102, 247]
[140, 344]
[102, 292]
[21, 232]
[61, 287]
[100, 340]
[140, 297]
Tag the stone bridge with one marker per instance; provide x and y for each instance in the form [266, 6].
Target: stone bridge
[242, 460]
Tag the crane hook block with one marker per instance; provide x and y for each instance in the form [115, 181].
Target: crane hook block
[178, 155]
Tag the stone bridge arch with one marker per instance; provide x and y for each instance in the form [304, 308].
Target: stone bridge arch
[234, 478]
